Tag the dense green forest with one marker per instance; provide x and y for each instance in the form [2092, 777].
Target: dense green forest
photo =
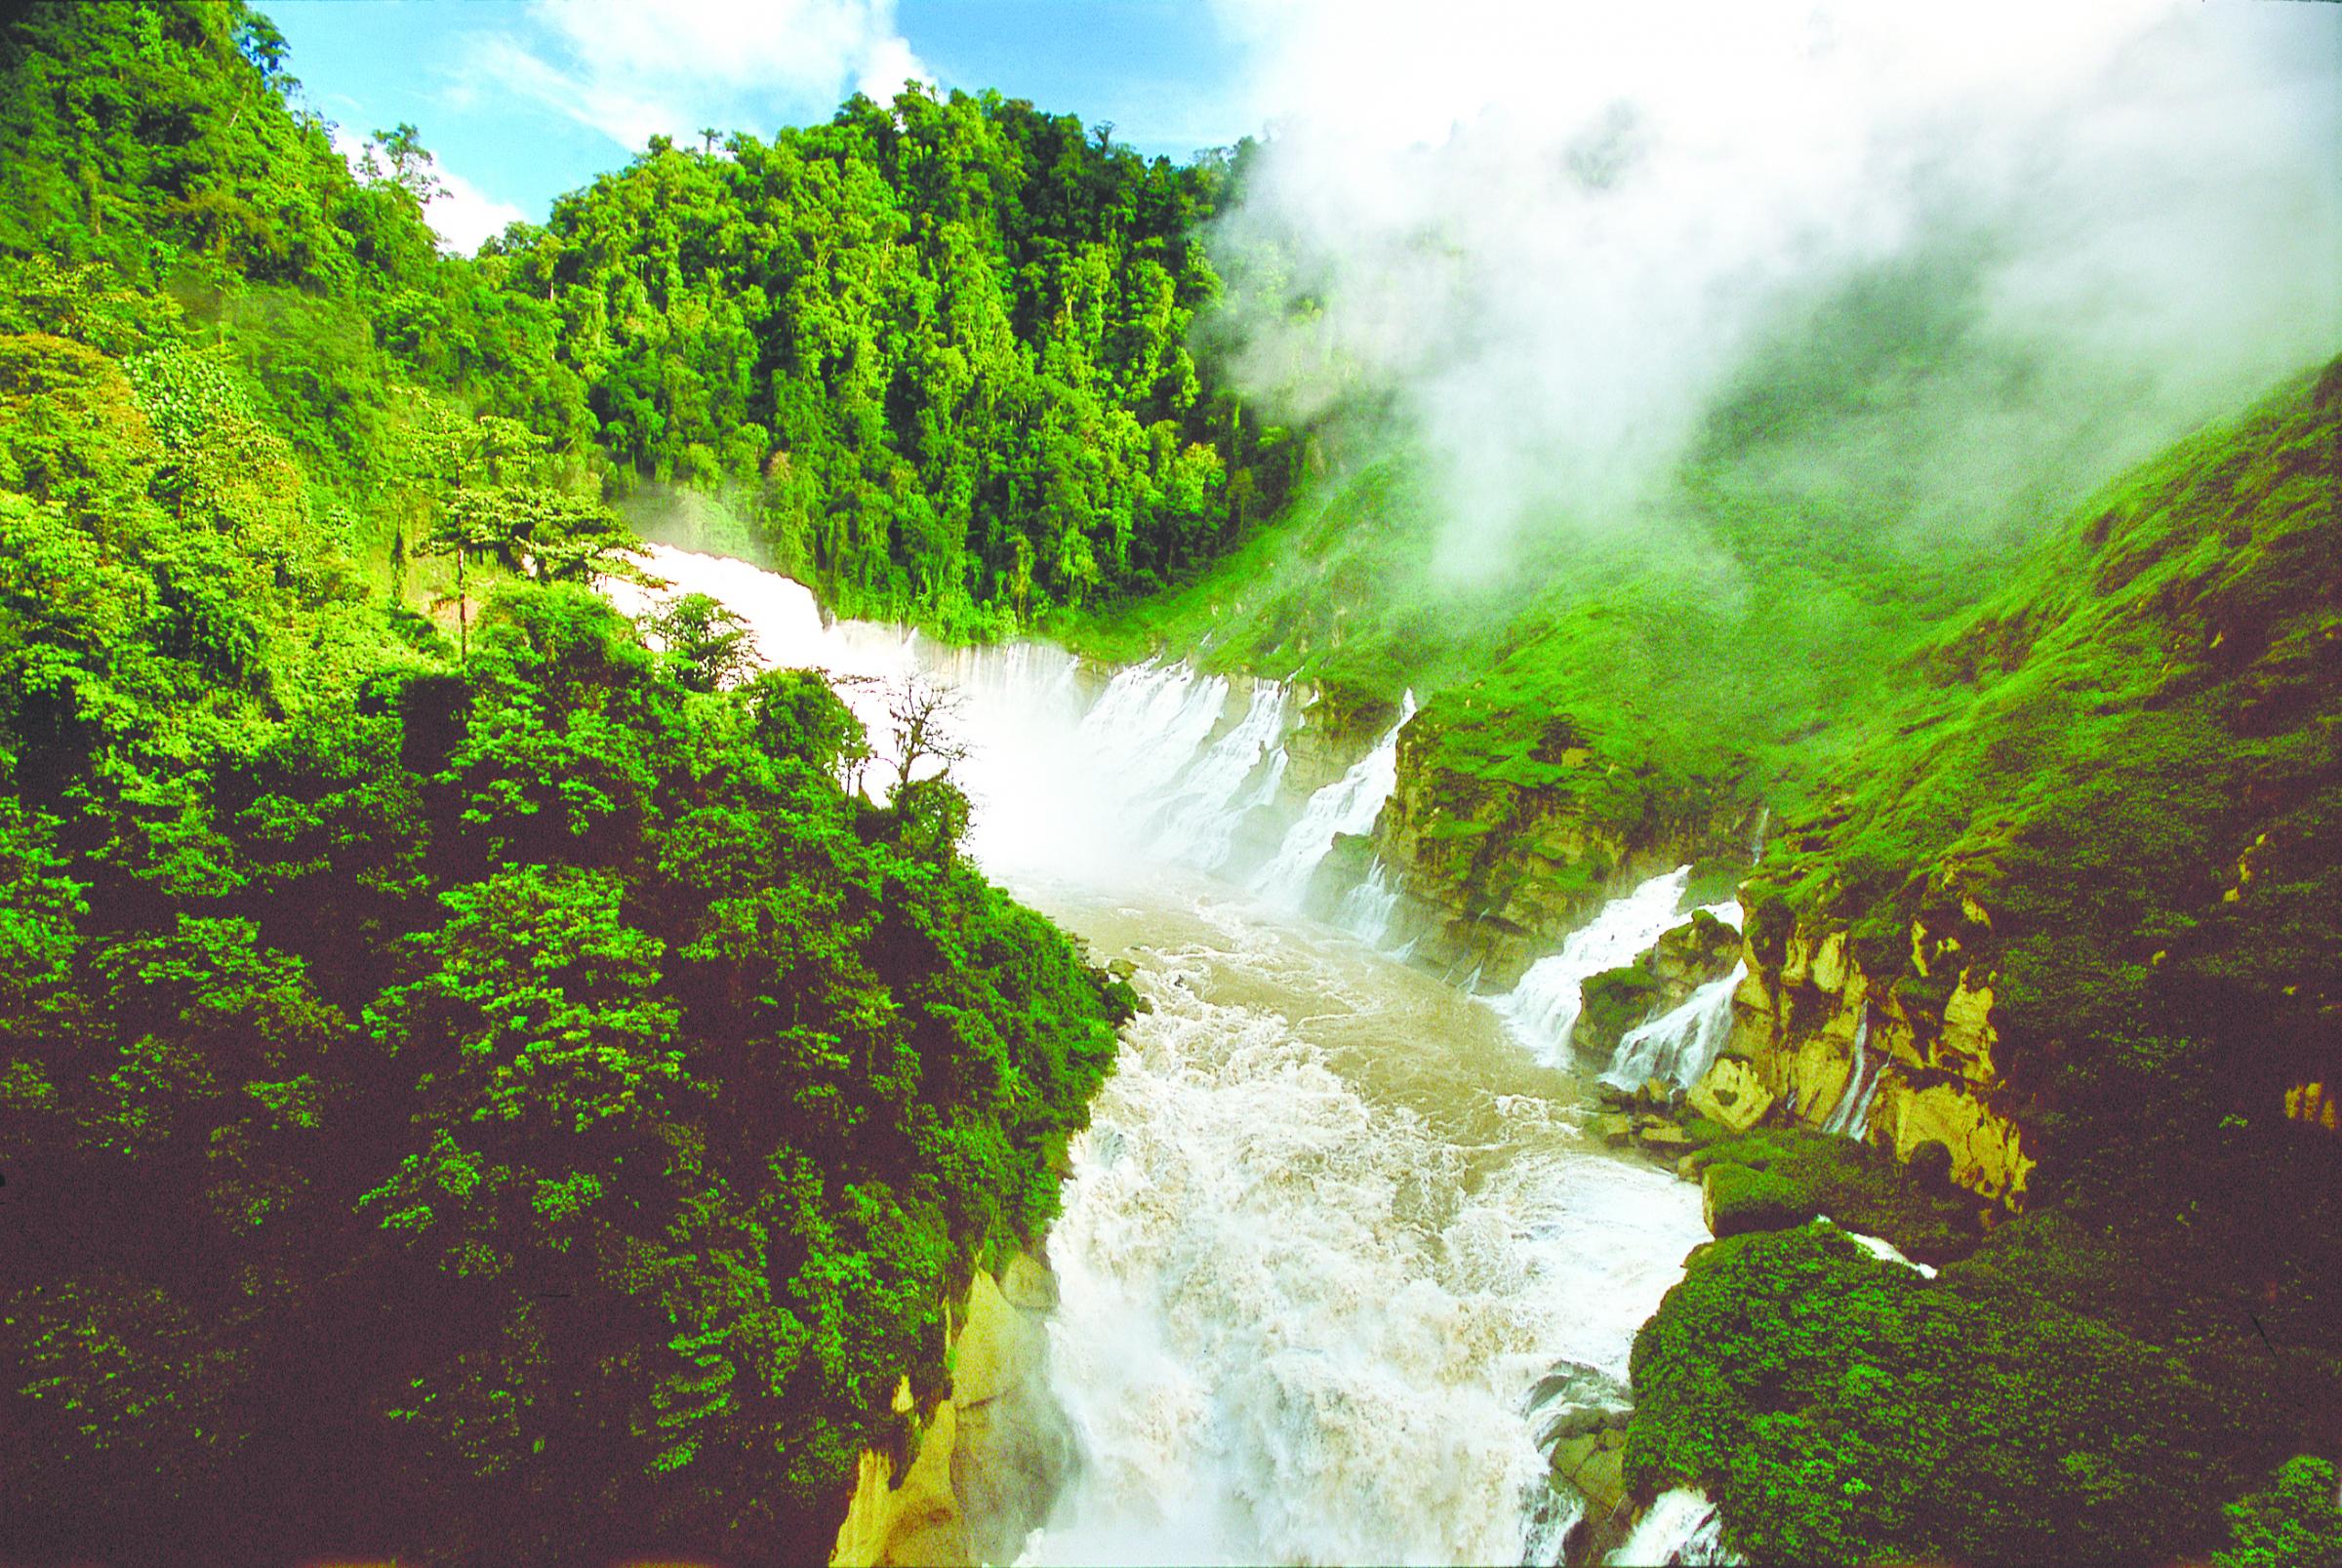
[933, 356]
[452, 1053]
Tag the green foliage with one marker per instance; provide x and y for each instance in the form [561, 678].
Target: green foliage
[1844, 1409]
[533, 1083]
[1856, 1185]
[2297, 1520]
[936, 351]
[1742, 1200]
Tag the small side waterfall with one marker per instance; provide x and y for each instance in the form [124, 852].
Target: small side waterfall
[1680, 1527]
[1681, 1045]
[1347, 805]
[1369, 908]
[1543, 1008]
[1851, 1118]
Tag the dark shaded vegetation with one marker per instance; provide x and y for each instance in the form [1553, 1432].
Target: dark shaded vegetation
[1841, 1408]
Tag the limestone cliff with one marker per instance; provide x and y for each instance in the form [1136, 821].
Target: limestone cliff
[1812, 1028]
[988, 1457]
[1498, 855]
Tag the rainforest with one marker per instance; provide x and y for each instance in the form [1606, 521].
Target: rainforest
[1602, 827]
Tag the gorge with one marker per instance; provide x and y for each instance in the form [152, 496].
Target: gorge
[1585, 812]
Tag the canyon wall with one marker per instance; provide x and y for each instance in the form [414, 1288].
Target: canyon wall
[986, 1460]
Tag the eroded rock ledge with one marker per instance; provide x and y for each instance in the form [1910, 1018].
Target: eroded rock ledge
[989, 1459]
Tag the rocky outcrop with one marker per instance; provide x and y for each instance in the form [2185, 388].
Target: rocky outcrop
[1812, 1027]
[988, 1457]
[1581, 1415]
[1491, 874]
[1337, 725]
[2312, 1103]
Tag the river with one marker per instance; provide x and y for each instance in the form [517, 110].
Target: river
[1333, 1218]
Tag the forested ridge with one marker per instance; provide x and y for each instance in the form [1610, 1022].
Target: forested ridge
[476, 1083]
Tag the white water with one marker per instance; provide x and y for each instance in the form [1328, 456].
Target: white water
[1543, 1007]
[1200, 819]
[1370, 909]
[1681, 1527]
[1329, 1222]
[1681, 1045]
[1347, 805]
[1851, 1118]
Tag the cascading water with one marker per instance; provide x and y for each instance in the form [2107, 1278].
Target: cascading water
[1851, 1118]
[1680, 1045]
[1347, 805]
[1329, 1222]
[1543, 1007]
[1199, 821]
[1370, 909]
[1680, 1527]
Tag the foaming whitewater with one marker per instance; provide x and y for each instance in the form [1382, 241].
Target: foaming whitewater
[1330, 1222]
[1324, 1230]
[1681, 1527]
[1349, 805]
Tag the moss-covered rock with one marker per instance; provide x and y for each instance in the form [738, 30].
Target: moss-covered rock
[1735, 1199]
[1610, 1004]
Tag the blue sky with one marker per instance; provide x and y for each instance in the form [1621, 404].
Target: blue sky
[522, 102]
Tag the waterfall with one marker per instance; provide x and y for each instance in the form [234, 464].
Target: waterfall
[1680, 1527]
[1679, 1046]
[1199, 821]
[1369, 908]
[1543, 1007]
[1347, 805]
[1326, 1223]
[1851, 1116]
[1146, 725]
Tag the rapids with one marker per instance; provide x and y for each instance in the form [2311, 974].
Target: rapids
[1332, 1220]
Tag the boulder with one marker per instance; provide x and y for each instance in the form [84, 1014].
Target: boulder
[1615, 1129]
[1735, 1200]
[1575, 1401]
[1731, 1093]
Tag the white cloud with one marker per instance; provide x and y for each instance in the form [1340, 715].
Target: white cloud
[631, 69]
[459, 212]
[1550, 234]
[463, 214]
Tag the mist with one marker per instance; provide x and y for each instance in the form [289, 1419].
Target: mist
[1943, 268]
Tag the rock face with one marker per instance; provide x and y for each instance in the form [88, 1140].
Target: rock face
[1493, 874]
[991, 1456]
[1338, 725]
[1581, 1415]
[1733, 1092]
[1810, 1028]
